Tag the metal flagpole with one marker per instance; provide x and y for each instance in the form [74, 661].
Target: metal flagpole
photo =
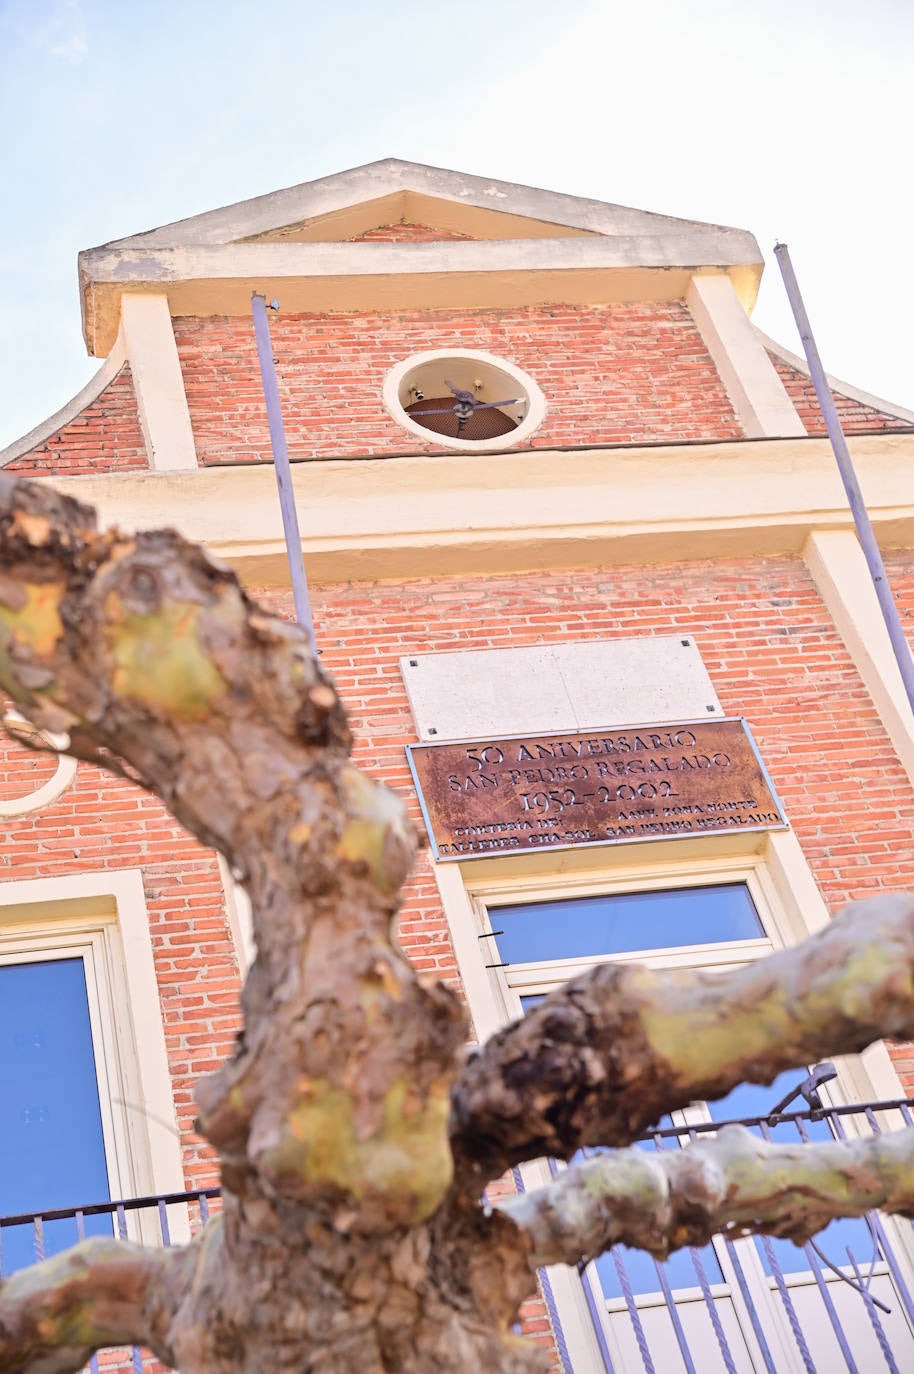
[848, 476]
[281, 464]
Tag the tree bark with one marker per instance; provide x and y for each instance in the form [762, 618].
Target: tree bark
[54, 1316]
[347, 1241]
[610, 1053]
[331, 1118]
[734, 1182]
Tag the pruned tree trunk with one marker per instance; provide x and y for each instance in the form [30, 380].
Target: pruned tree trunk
[354, 1138]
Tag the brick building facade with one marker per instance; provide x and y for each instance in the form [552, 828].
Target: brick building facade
[669, 482]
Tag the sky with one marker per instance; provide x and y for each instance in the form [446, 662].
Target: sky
[791, 118]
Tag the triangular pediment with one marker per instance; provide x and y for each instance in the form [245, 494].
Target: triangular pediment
[344, 206]
[399, 235]
[440, 220]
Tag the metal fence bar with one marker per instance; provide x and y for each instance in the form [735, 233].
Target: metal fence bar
[81, 1235]
[749, 1306]
[754, 1319]
[792, 1318]
[297, 574]
[822, 1284]
[675, 1318]
[121, 1214]
[836, 1326]
[634, 1314]
[711, 1305]
[163, 1223]
[783, 1290]
[597, 1320]
[671, 1306]
[876, 1226]
[875, 1321]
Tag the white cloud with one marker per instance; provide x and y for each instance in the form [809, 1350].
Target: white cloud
[64, 32]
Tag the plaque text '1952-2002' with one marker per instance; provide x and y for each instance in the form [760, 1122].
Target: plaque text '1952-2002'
[641, 783]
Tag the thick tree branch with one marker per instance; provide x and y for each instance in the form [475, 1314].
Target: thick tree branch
[733, 1182]
[342, 1243]
[143, 648]
[605, 1057]
[331, 1119]
[102, 1292]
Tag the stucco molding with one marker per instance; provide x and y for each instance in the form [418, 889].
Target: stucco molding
[375, 180]
[158, 383]
[853, 393]
[384, 517]
[316, 277]
[72, 409]
[838, 567]
[750, 379]
[48, 792]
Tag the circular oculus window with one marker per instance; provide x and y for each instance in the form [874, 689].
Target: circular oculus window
[464, 399]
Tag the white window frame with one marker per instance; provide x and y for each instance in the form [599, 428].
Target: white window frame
[781, 884]
[102, 919]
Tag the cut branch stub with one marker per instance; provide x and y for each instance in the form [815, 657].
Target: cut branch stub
[606, 1056]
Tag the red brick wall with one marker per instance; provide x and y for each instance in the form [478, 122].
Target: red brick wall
[765, 637]
[105, 437]
[769, 647]
[855, 417]
[103, 823]
[611, 374]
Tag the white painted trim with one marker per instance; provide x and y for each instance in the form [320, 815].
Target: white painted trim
[158, 382]
[55, 786]
[216, 279]
[788, 903]
[532, 396]
[255, 262]
[238, 910]
[110, 909]
[374, 180]
[73, 408]
[750, 379]
[853, 393]
[838, 567]
[385, 517]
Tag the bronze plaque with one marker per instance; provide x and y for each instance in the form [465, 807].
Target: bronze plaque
[645, 782]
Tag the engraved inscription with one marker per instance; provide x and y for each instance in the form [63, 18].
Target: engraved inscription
[650, 782]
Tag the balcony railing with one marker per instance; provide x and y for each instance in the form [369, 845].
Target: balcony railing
[744, 1306]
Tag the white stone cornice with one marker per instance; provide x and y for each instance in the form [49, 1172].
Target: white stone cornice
[373, 518]
[456, 274]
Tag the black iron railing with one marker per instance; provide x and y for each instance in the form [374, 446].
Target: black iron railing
[739, 1306]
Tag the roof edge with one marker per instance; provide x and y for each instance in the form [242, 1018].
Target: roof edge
[69, 411]
[372, 180]
[853, 393]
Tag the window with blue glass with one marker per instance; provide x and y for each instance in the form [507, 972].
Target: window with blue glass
[52, 1152]
[618, 924]
[588, 927]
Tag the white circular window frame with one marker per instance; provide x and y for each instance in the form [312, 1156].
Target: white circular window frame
[55, 786]
[397, 389]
